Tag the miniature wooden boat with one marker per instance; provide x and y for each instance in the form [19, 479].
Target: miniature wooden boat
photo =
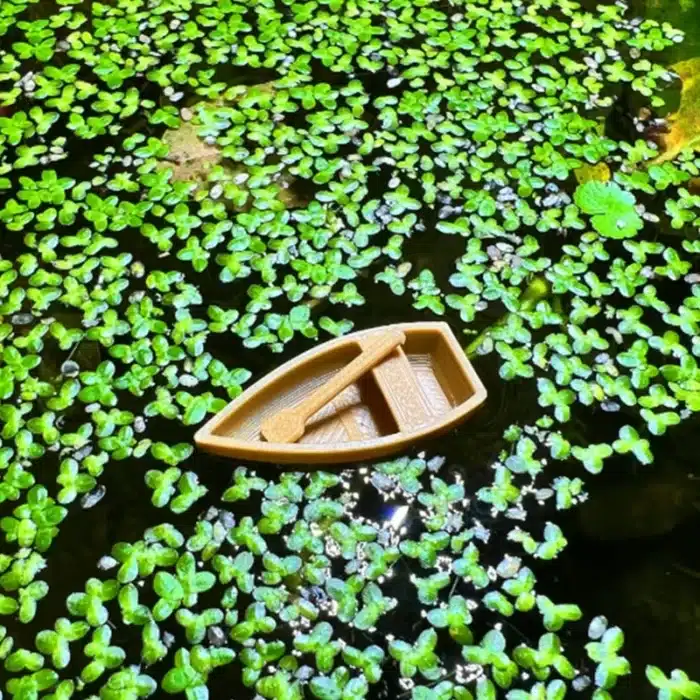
[359, 397]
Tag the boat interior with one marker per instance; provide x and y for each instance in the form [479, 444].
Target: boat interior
[417, 384]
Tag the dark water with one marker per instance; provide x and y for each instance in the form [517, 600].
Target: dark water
[683, 14]
[649, 584]
[643, 573]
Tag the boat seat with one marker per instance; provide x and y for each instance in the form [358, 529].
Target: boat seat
[402, 392]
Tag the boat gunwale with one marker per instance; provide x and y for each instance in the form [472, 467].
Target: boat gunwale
[357, 450]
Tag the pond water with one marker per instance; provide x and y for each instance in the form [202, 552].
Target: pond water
[631, 551]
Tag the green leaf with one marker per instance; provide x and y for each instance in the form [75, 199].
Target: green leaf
[612, 208]
[167, 586]
[196, 411]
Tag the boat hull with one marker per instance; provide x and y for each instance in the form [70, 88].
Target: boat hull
[423, 389]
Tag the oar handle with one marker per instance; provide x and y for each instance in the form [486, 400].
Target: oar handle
[288, 425]
[375, 352]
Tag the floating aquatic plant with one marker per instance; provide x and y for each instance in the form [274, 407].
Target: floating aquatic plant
[182, 180]
[614, 215]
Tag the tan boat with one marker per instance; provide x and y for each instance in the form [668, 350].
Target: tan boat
[365, 395]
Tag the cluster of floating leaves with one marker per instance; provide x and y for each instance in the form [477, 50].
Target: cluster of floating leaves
[177, 173]
[307, 595]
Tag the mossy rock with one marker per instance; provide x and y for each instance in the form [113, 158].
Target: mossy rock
[199, 159]
[684, 125]
[191, 158]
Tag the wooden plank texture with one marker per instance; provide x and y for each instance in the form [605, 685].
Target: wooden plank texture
[398, 383]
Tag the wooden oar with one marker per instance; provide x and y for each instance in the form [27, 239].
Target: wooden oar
[289, 424]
